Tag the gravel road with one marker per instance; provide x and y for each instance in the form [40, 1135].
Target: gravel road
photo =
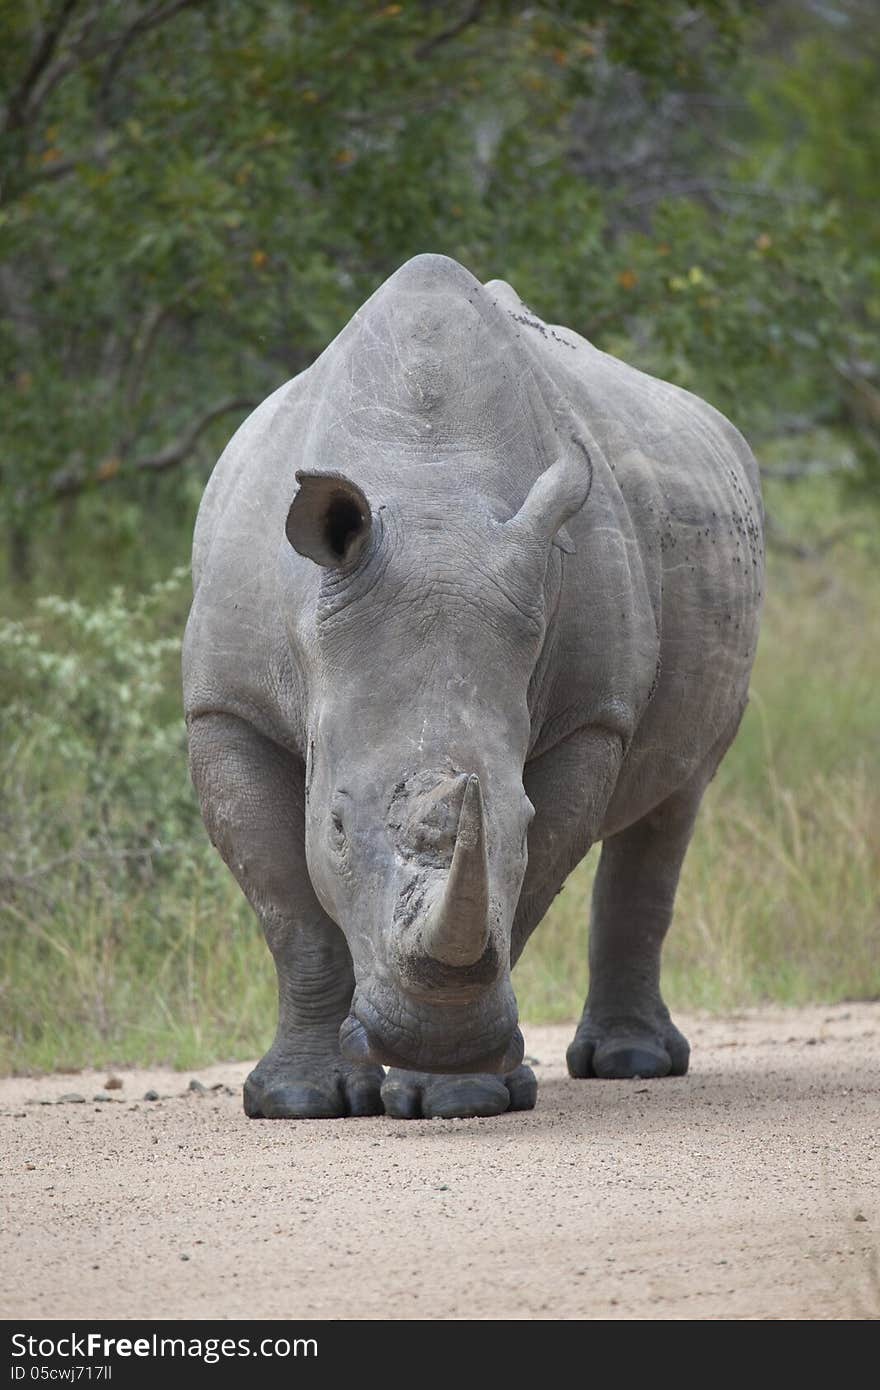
[749, 1189]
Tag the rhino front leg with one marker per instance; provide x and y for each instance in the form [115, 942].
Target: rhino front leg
[626, 1030]
[252, 798]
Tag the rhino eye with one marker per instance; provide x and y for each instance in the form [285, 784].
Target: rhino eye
[336, 822]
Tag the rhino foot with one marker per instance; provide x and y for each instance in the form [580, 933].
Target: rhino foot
[312, 1090]
[421, 1095]
[623, 1048]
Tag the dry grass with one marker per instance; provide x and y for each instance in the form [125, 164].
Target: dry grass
[778, 901]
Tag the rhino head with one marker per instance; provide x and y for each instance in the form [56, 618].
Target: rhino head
[430, 617]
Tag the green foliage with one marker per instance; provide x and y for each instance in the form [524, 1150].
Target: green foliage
[89, 704]
[224, 188]
[115, 914]
[815, 140]
[221, 189]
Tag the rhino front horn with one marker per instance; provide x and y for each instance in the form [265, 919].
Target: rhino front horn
[456, 929]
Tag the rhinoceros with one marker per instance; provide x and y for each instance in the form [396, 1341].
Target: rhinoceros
[470, 595]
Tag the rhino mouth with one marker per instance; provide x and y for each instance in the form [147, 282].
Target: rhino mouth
[458, 1042]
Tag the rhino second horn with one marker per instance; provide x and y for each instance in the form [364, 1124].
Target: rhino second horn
[456, 930]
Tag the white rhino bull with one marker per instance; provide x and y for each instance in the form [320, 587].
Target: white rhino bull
[470, 595]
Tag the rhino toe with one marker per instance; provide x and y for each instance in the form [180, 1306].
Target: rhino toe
[296, 1101]
[355, 1093]
[616, 1062]
[409, 1095]
[618, 1053]
[363, 1092]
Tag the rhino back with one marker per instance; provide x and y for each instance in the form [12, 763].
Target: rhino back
[677, 492]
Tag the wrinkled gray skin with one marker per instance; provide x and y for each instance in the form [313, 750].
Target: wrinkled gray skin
[470, 596]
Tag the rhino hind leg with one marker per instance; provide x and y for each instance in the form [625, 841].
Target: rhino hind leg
[419, 1095]
[626, 1030]
[252, 796]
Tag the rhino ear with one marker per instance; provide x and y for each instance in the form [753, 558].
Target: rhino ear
[560, 491]
[329, 519]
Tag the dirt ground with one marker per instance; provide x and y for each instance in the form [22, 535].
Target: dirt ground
[749, 1189]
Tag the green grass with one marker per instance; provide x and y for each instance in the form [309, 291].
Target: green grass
[119, 955]
[155, 976]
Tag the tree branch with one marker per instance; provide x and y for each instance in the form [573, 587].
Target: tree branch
[25, 879]
[50, 172]
[471, 15]
[143, 342]
[17, 105]
[779, 539]
[142, 25]
[810, 468]
[114, 44]
[68, 482]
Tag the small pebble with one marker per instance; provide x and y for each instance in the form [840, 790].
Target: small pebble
[113, 1083]
[151, 1095]
[102, 1096]
[858, 1217]
[184, 1257]
[197, 1087]
[31, 1167]
[72, 1098]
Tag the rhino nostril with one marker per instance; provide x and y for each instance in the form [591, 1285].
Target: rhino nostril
[432, 840]
[424, 816]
